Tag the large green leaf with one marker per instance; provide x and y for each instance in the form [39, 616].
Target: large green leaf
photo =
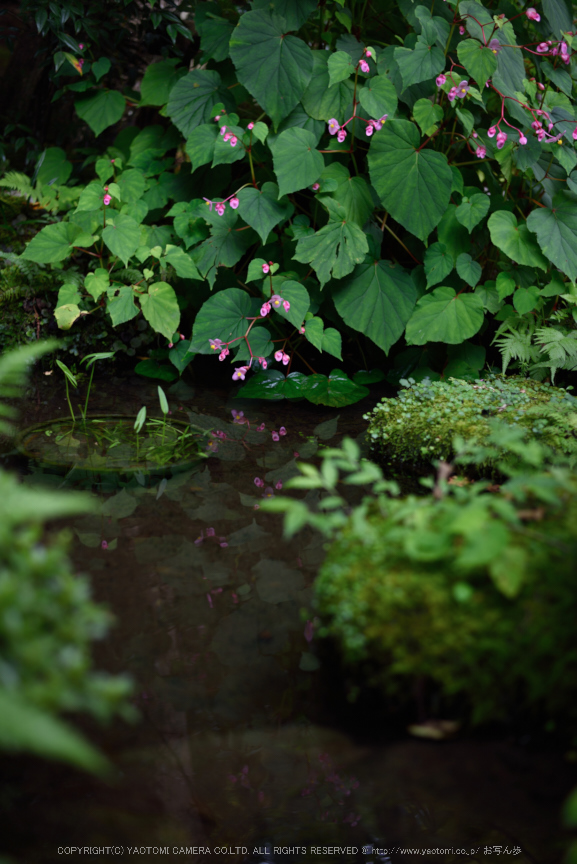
[215, 35]
[200, 144]
[102, 110]
[298, 117]
[299, 300]
[443, 316]
[132, 184]
[422, 63]
[510, 72]
[336, 390]
[91, 198]
[515, 240]
[54, 243]
[295, 12]
[321, 101]
[427, 115]
[193, 98]
[182, 263]
[556, 231]
[262, 210]
[223, 316]
[272, 384]
[559, 14]
[472, 210]
[415, 187]
[224, 152]
[378, 300]
[336, 248]
[158, 81]
[25, 727]
[479, 61]
[296, 162]
[122, 236]
[224, 247]
[274, 68]
[160, 308]
[121, 306]
[260, 345]
[469, 270]
[354, 195]
[340, 66]
[438, 263]
[378, 97]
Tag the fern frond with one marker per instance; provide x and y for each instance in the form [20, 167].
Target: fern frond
[12, 294]
[19, 182]
[13, 372]
[516, 346]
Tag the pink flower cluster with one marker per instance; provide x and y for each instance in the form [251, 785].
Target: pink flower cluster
[560, 48]
[220, 206]
[210, 532]
[228, 136]
[280, 355]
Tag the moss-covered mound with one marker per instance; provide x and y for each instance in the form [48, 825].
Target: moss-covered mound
[419, 424]
[489, 620]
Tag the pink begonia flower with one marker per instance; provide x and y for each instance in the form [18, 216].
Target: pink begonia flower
[209, 598]
[227, 136]
[491, 132]
[107, 199]
[240, 373]
[550, 126]
[104, 544]
[234, 202]
[501, 138]
[369, 130]
[278, 484]
[309, 631]
[260, 428]
[217, 118]
[223, 354]
[342, 134]
[275, 436]
[182, 335]
[315, 186]
[333, 126]
[302, 328]
[219, 434]
[213, 447]
[481, 152]
[522, 139]
[265, 268]
[540, 86]
[541, 134]
[282, 431]
[238, 416]
[255, 507]
[81, 45]
[532, 14]
[536, 124]
[215, 344]
[264, 310]
[278, 356]
[364, 66]
[233, 141]
[296, 454]
[222, 130]
[494, 46]
[250, 126]
[220, 207]
[286, 305]
[575, 134]
[263, 362]
[474, 134]
[223, 544]
[171, 344]
[276, 300]
[440, 80]
[210, 532]
[268, 492]
[285, 359]
[258, 482]
[81, 62]
[461, 30]
[452, 94]
[463, 89]
[543, 48]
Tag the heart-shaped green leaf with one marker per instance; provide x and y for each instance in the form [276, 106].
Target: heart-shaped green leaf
[296, 162]
[443, 316]
[160, 308]
[262, 210]
[479, 61]
[472, 210]
[102, 110]
[556, 231]
[515, 240]
[469, 270]
[438, 263]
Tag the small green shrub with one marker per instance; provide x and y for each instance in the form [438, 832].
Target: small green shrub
[419, 424]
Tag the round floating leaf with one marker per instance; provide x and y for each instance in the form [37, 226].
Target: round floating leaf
[296, 162]
[53, 243]
[438, 263]
[479, 61]
[262, 210]
[378, 97]
[377, 299]
[415, 187]
[515, 240]
[469, 270]
[222, 316]
[472, 210]
[160, 308]
[443, 316]
[274, 68]
[556, 231]
[122, 236]
[193, 97]
[102, 110]
[337, 390]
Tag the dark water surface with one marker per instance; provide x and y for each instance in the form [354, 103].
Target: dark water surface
[245, 740]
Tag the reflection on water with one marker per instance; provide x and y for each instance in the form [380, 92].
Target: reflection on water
[237, 747]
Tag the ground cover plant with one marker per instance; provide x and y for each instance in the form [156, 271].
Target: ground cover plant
[364, 178]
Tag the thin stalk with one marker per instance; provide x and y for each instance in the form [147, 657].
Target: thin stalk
[68, 400]
[390, 230]
[88, 393]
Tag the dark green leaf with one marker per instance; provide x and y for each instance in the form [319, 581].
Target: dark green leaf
[272, 384]
[102, 110]
[262, 210]
[337, 390]
[224, 152]
[152, 369]
[335, 249]
[443, 316]
[193, 97]
[160, 308]
[101, 67]
[201, 143]
[479, 61]
[526, 299]
[132, 184]
[427, 115]
[91, 198]
[368, 377]
[296, 162]
[53, 243]
[295, 12]
[158, 81]
[415, 187]
[122, 236]
[54, 167]
[180, 356]
[377, 300]
[515, 240]
[321, 101]
[223, 316]
[472, 210]
[438, 263]
[556, 231]
[121, 306]
[260, 345]
[354, 195]
[215, 38]
[297, 117]
[559, 14]
[378, 97]
[469, 270]
[274, 68]
[299, 300]
[421, 64]
[340, 67]
[182, 263]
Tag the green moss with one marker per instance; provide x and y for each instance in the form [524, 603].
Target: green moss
[396, 619]
[419, 424]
